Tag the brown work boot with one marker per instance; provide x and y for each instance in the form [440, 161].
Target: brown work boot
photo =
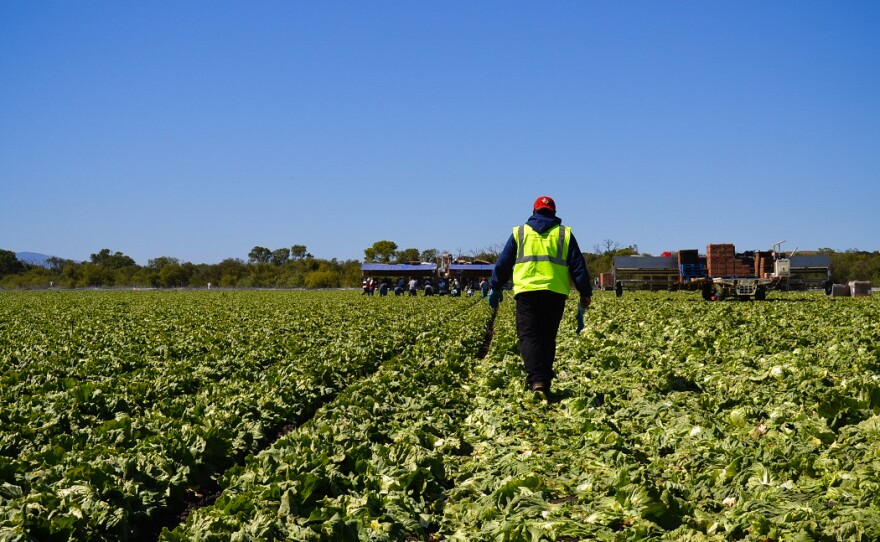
[540, 388]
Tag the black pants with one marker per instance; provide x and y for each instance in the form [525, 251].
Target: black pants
[537, 321]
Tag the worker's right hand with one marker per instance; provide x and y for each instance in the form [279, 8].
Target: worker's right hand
[585, 301]
[495, 298]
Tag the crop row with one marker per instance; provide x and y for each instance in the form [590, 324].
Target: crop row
[120, 408]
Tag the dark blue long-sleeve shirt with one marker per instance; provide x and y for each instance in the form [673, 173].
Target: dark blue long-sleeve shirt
[577, 267]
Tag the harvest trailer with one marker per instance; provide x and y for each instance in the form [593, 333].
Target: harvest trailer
[720, 272]
[727, 274]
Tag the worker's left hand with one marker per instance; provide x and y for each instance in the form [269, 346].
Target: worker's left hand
[580, 318]
[495, 298]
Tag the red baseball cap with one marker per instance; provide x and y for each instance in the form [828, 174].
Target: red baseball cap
[544, 202]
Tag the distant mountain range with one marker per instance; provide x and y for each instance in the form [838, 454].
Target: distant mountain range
[34, 258]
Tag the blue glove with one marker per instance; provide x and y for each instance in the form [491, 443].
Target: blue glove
[495, 298]
[580, 318]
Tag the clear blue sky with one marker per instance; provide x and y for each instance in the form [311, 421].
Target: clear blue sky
[200, 129]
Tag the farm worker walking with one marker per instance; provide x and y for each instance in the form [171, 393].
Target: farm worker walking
[543, 258]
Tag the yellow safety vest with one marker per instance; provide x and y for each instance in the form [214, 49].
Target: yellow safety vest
[541, 260]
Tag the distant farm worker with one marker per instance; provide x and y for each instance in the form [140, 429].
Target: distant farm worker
[618, 288]
[543, 258]
[484, 287]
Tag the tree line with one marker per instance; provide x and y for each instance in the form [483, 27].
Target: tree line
[295, 267]
[291, 267]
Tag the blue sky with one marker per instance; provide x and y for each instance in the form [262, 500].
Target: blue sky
[198, 129]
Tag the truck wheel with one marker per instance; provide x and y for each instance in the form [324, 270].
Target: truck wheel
[760, 294]
[707, 293]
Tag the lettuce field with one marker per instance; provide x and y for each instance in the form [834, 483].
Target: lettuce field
[293, 415]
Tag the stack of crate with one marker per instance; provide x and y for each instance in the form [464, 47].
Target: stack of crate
[688, 257]
[743, 267]
[606, 281]
[763, 263]
[721, 260]
[690, 265]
